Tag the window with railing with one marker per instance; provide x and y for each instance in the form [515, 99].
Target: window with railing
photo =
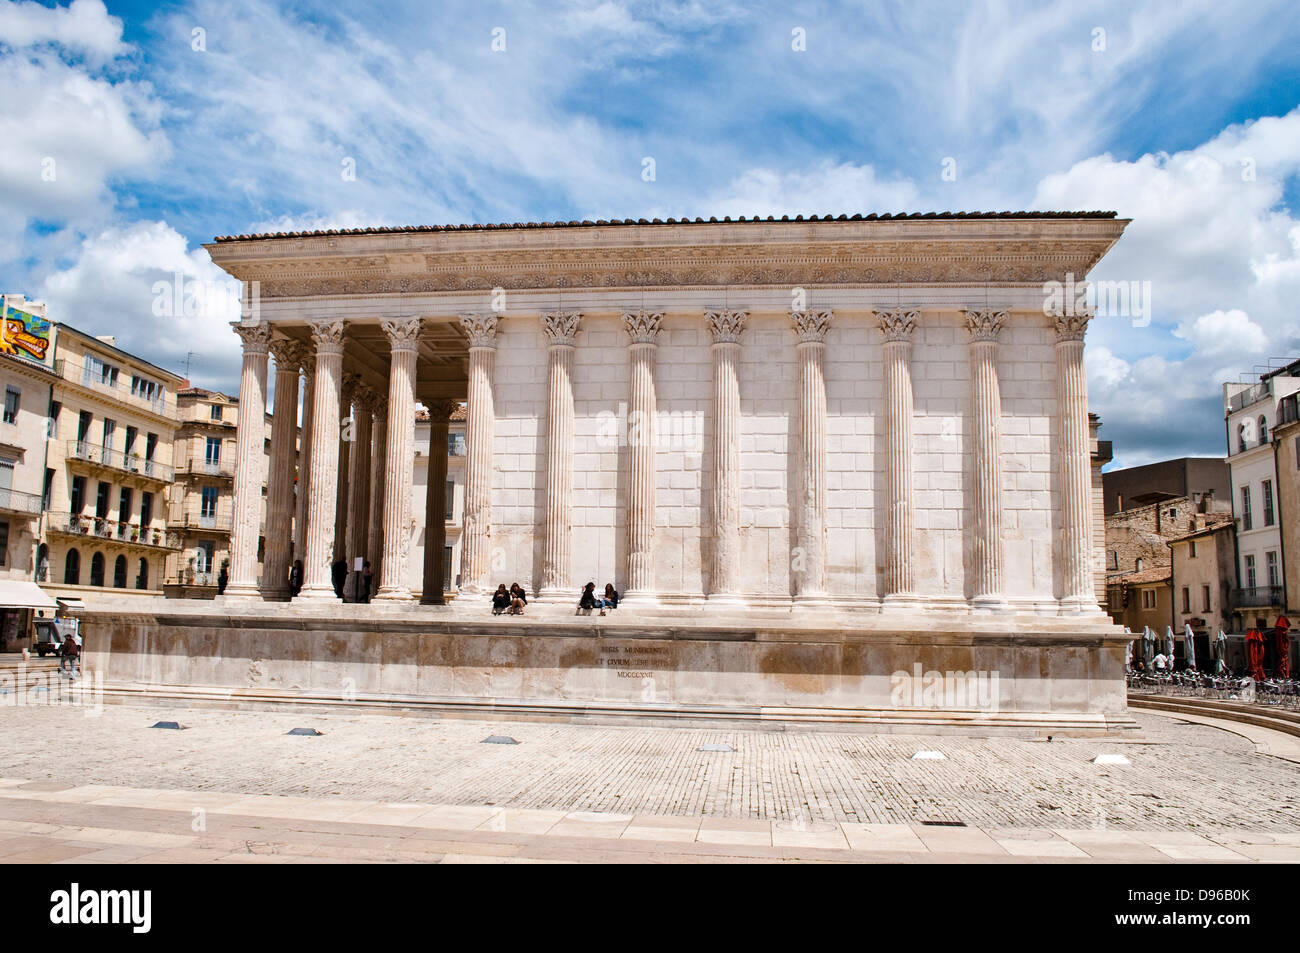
[1270, 564]
[98, 373]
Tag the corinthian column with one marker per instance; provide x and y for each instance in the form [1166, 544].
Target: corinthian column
[808, 565]
[378, 461]
[899, 585]
[986, 471]
[250, 461]
[643, 333]
[480, 427]
[279, 491]
[308, 365]
[435, 503]
[347, 393]
[724, 568]
[557, 559]
[1077, 591]
[363, 403]
[399, 468]
[324, 461]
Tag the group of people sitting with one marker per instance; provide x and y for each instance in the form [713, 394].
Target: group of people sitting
[510, 601]
[513, 600]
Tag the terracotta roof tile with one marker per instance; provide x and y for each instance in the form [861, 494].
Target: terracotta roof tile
[603, 223]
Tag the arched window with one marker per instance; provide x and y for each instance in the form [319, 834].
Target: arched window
[142, 580]
[97, 569]
[1137, 564]
[1241, 438]
[72, 568]
[42, 562]
[119, 573]
[1263, 429]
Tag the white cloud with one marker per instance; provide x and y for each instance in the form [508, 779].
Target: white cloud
[122, 283]
[83, 27]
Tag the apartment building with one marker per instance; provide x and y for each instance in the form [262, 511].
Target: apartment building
[108, 470]
[202, 498]
[1251, 411]
[27, 381]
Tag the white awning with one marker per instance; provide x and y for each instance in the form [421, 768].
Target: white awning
[17, 594]
[70, 604]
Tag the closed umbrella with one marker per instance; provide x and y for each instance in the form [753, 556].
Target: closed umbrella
[1255, 654]
[1283, 636]
[1128, 651]
[1219, 652]
[1191, 647]
[1169, 645]
[1148, 644]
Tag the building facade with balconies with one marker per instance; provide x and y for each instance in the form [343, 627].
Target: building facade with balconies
[1252, 410]
[202, 498]
[108, 469]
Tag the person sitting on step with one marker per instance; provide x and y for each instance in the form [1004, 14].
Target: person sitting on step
[611, 597]
[588, 600]
[518, 599]
[500, 600]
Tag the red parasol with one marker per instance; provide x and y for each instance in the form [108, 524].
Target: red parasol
[1282, 634]
[1255, 654]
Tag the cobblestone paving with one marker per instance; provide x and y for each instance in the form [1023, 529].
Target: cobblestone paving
[1182, 776]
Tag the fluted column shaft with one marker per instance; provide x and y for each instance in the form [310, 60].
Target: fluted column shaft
[809, 565]
[643, 329]
[897, 327]
[724, 566]
[378, 460]
[986, 583]
[480, 429]
[279, 491]
[399, 467]
[358, 490]
[340, 524]
[323, 460]
[304, 454]
[435, 505]
[561, 329]
[250, 461]
[1075, 463]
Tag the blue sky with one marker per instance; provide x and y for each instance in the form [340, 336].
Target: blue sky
[1155, 110]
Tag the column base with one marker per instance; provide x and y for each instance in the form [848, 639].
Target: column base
[393, 594]
[320, 596]
[989, 603]
[639, 600]
[900, 602]
[553, 596]
[811, 600]
[240, 593]
[725, 600]
[1080, 605]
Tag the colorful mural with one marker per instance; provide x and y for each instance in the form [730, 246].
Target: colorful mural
[24, 335]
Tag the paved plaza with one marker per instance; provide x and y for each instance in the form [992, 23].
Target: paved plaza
[384, 787]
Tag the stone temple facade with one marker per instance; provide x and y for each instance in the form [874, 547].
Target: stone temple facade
[880, 423]
[862, 412]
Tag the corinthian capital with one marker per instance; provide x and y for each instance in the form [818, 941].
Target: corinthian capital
[726, 326]
[328, 334]
[403, 333]
[811, 326]
[984, 324]
[561, 327]
[348, 389]
[256, 337]
[287, 353]
[898, 324]
[643, 327]
[482, 329]
[440, 411]
[1071, 327]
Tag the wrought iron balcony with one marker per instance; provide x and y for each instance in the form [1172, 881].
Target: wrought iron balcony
[1259, 596]
[117, 460]
[16, 501]
[101, 528]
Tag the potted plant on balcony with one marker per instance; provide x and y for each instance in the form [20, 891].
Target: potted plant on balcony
[157, 537]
